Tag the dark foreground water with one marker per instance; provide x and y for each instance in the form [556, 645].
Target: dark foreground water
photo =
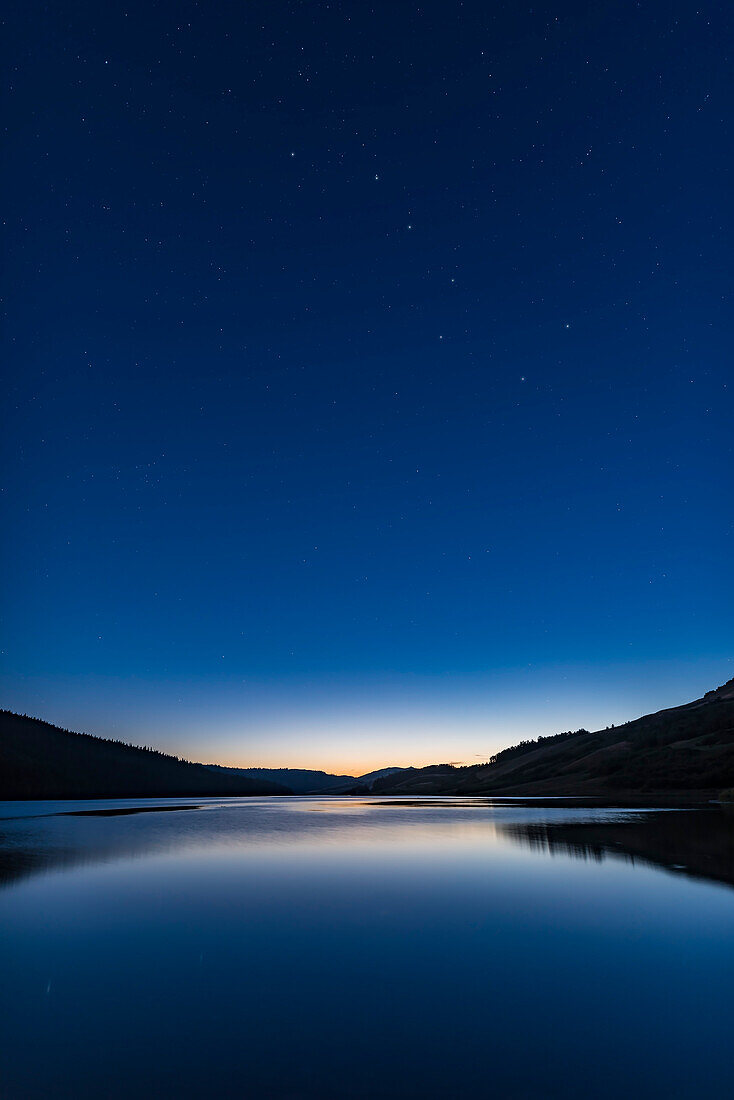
[334, 948]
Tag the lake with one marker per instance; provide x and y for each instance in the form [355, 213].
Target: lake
[345, 947]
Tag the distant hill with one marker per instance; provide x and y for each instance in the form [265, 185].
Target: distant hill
[39, 760]
[298, 780]
[686, 748]
[307, 781]
[369, 778]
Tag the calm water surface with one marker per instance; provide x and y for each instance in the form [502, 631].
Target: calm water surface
[313, 947]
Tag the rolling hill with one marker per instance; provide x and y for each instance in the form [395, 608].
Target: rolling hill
[689, 748]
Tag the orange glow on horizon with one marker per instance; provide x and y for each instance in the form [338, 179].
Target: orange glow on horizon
[351, 766]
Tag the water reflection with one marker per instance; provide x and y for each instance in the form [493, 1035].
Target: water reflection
[329, 948]
[699, 843]
[40, 837]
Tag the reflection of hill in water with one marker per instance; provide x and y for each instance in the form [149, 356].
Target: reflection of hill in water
[22, 859]
[699, 843]
[25, 849]
[20, 862]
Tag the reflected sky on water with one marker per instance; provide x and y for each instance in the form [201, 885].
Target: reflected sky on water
[312, 947]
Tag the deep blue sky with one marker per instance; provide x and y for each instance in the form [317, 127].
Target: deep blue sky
[370, 390]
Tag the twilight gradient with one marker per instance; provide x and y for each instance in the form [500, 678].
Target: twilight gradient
[369, 373]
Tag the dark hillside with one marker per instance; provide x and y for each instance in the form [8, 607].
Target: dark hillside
[686, 748]
[39, 760]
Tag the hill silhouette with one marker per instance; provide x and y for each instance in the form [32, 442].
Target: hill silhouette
[309, 781]
[689, 748]
[298, 780]
[40, 760]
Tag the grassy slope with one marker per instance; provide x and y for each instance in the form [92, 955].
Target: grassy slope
[682, 749]
[39, 760]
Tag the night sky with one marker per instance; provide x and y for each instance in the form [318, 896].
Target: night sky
[370, 389]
